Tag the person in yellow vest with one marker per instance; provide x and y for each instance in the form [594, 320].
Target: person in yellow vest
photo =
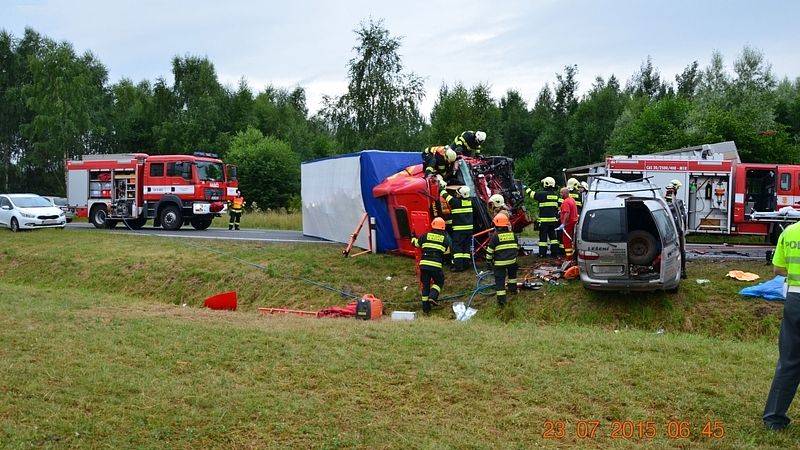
[235, 207]
[547, 198]
[461, 215]
[786, 262]
[501, 254]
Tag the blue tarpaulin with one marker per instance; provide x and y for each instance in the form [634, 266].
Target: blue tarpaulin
[376, 165]
[768, 290]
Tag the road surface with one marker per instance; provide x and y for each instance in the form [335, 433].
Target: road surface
[214, 233]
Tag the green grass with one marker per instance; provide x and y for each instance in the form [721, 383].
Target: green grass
[85, 368]
[270, 220]
[186, 271]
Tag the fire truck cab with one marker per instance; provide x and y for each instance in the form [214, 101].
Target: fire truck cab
[172, 190]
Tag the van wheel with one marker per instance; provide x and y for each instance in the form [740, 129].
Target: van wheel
[14, 224]
[641, 247]
[98, 216]
[136, 224]
[200, 223]
[171, 218]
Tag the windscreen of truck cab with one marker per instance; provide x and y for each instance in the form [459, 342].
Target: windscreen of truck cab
[604, 225]
[210, 171]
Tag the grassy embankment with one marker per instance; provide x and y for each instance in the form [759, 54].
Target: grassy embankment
[85, 367]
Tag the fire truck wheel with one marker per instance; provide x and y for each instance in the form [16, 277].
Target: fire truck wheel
[98, 216]
[171, 218]
[199, 223]
[111, 224]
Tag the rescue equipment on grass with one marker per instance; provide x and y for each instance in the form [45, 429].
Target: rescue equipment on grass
[223, 301]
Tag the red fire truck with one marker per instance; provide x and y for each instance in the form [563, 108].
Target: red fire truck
[173, 190]
[722, 195]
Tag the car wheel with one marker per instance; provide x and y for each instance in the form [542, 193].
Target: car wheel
[14, 224]
[200, 223]
[98, 216]
[171, 218]
[641, 247]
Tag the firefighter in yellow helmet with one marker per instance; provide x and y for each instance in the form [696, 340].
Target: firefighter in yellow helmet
[574, 191]
[461, 212]
[547, 198]
[497, 205]
[235, 207]
[501, 254]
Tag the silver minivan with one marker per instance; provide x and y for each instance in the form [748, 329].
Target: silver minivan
[627, 238]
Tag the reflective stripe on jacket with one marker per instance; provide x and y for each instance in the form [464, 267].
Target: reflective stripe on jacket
[460, 211]
[503, 248]
[434, 245]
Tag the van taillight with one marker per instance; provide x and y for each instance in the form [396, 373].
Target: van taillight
[588, 255]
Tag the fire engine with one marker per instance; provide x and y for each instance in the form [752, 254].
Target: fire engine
[173, 190]
[413, 200]
[721, 194]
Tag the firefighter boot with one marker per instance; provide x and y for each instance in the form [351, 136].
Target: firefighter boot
[426, 307]
[512, 286]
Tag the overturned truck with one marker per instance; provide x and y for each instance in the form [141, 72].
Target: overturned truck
[412, 200]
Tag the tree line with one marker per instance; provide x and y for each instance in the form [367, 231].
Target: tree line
[57, 104]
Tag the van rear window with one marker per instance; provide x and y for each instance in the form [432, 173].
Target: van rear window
[604, 225]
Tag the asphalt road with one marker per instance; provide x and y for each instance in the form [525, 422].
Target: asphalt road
[693, 251]
[256, 235]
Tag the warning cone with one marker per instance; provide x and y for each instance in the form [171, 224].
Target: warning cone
[225, 300]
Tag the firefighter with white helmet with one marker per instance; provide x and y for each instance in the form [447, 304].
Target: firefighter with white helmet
[461, 219]
[469, 143]
[438, 160]
[497, 205]
[574, 192]
[547, 198]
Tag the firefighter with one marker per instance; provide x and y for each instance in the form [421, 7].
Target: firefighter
[469, 143]
[461, 217]
[569, 218]
[497, 205]
[438, 160]
[574, 191]
[434, 245]
[547, 198]
[501, 254]
[235, 210]
[786, 262]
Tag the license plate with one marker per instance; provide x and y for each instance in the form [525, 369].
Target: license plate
[214, 197]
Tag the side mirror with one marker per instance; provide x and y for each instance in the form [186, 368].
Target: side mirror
[5, 207]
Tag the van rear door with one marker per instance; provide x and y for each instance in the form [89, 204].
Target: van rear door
[670, 246]
[603, 243]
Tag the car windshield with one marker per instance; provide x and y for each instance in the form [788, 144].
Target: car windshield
[604, 225]
[30, 202]
[209, 171]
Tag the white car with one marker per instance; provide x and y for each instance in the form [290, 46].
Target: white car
[29, 211]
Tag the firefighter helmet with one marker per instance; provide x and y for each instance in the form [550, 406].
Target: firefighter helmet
[676, 184]
[585, 185]
[438, 224]
[497, 200]
[450, 155]
[480, 136]
[548, 182]
[572, 183]
[501, 220]
[463, 191]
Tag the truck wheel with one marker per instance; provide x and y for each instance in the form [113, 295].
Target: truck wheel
[200, 223]
[171, 218]
[641, 247]
[111, 224]
[14, 224]
[98, 216]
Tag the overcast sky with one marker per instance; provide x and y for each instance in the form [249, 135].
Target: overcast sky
[508, 44]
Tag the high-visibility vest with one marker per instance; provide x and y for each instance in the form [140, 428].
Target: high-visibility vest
[237, 203]
[787, 253]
